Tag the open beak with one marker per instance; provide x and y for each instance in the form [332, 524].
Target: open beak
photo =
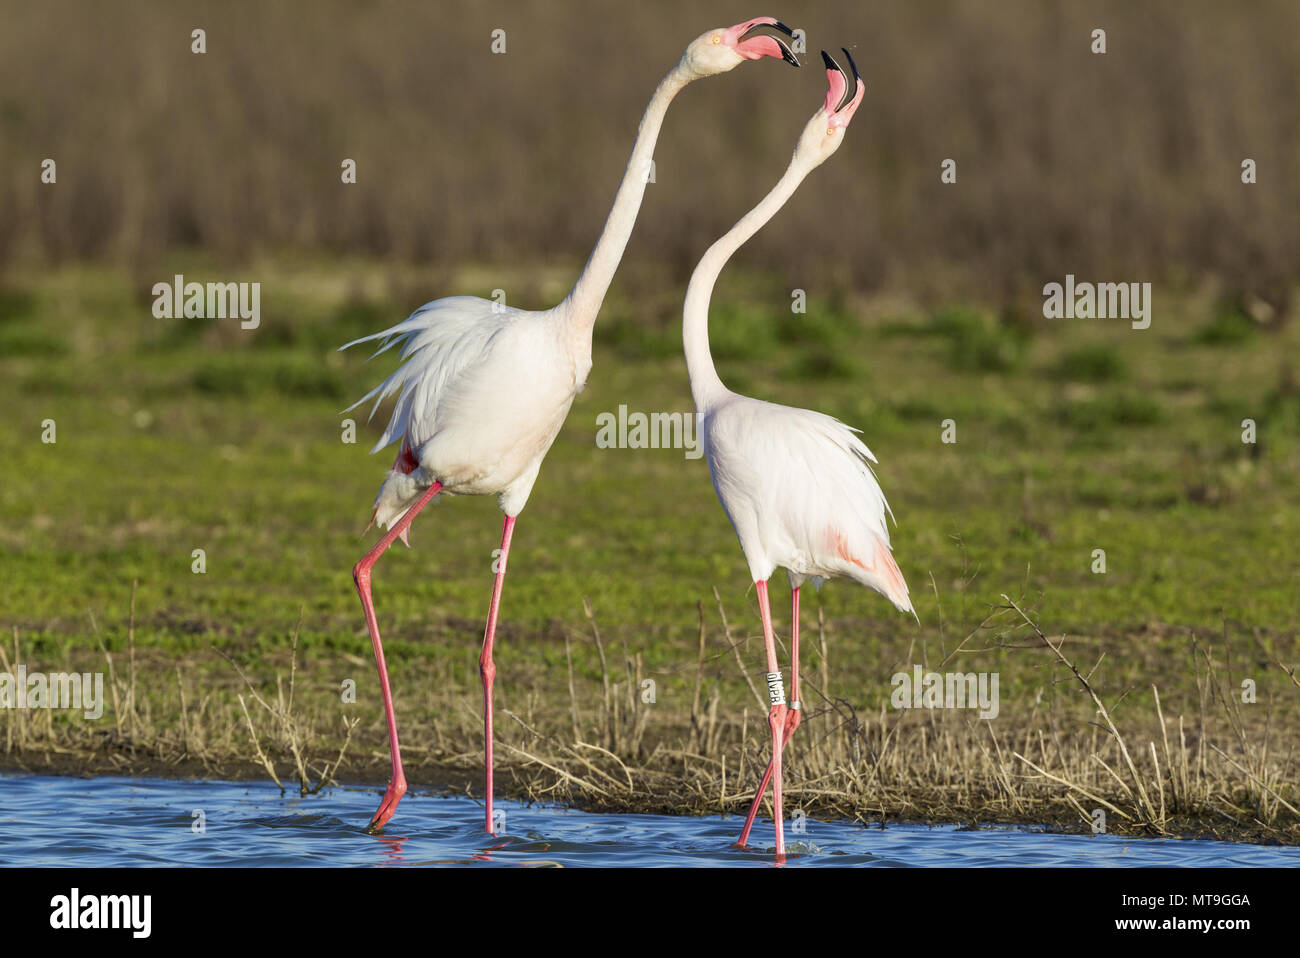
[846, 82]
[778, 33]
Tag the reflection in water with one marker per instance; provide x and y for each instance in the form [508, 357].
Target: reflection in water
[392, 849]
[121, 821]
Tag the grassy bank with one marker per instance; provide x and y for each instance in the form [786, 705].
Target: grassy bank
[1071, 436]
[1079, 755]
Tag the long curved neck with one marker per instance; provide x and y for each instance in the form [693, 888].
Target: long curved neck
[706, 387]
[583, 302]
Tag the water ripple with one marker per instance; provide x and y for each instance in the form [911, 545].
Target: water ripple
[48, 820]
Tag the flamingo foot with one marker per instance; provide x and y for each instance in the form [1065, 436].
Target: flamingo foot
[396, 789]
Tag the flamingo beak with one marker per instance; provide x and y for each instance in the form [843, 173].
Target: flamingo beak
[846, 89]
[769, 34]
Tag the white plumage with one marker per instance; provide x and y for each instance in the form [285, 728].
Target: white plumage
[796, 484]
[482, 391]
[483, 388]
[798, 488]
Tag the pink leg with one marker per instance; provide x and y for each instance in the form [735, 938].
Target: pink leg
[795, 715]
[792, 718]
[487, 668]
[361, 575]
[775, 719]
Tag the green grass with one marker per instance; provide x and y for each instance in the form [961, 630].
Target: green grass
[1229, 326]
[175, 435]
[1092, 363]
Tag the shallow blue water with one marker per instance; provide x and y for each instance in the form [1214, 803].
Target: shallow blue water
[47, 820]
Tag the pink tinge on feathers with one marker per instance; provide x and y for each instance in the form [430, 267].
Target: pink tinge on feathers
[404, 465]
[892, 585]
[406, 462]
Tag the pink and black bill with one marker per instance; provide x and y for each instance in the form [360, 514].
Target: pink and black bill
[777, 33]
[844, 83]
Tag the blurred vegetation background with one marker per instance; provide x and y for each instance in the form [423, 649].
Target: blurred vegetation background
[1121, 166]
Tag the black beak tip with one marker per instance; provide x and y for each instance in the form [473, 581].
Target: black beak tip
[777, 32]
[856, 74]
[850, 83]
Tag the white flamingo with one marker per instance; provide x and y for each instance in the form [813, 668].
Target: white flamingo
[796, 484]
[484, 388]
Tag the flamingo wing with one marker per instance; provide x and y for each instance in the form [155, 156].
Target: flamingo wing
[440, 342]
[800, 491]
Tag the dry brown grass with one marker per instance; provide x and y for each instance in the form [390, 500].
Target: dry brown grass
[1215, 769]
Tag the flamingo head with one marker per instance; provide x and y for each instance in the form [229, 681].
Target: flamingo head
[723, 49]
[824, 132]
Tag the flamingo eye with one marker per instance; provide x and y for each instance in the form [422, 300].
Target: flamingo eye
[716, 39]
